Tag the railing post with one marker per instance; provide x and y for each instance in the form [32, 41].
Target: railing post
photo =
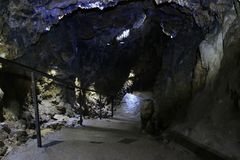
[81, 101]
[35, 104]
[112, 106]
[100, 106]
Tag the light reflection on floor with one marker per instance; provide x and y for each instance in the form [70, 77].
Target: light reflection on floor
[130, 107]
[132, 102]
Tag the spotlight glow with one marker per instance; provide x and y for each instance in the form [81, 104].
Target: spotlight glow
[48, 28]
[130, 81]
[140, 22]
[60, 17]
[124, 35]
[52, 72]
[131, 74]
[92, 5]
[3, 55]
[78, 84]
[132, 100]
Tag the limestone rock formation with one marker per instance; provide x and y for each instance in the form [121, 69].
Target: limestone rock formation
[24, 22]
[215, 111]
[185, 51]
[147, 111]
[211, 48]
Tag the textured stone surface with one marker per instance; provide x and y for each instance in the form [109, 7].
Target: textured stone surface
[3, 149]
[4, 135]
[21, 136]
[102, 46]
[23, 22]
[213, 117]
[211, 48]
[205, 12]
[94, 47]
[173, 86]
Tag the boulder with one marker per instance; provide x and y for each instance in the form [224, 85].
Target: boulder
[45, 118]
[47, 108]
[73, 122]
[21, 135]
[56, 125]
[27, 116]
[31, 133]
[3, 134]
[5, 128]
[59, 117]
[20, 124]
[61, 109]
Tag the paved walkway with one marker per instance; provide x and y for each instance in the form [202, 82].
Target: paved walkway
[107, 139]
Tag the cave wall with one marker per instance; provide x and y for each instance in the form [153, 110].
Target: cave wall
[85, 45]
[173, 87]
[213, 115]
[210, 48]
[162, 47]
[15, 85]
[23, 22]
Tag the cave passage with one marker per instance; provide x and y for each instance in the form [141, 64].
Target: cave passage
[130, 107]
[118, 79]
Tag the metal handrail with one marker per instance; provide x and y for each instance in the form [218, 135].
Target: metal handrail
[59, 80]
[34, 94]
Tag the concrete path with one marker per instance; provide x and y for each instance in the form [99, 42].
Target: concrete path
[107, 139]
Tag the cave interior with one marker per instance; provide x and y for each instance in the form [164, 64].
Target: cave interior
[178, 59]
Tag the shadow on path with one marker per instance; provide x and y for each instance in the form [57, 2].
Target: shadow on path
[53, 143]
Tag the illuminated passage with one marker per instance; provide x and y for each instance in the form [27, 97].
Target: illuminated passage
[130, 107]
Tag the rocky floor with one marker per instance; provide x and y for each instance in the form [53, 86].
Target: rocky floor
[108, 139]
[11, 136]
